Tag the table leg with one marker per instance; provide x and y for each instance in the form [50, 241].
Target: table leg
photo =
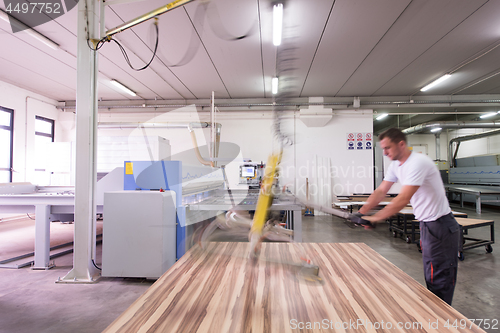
[42, 237]
[297, 226]
[478, 204]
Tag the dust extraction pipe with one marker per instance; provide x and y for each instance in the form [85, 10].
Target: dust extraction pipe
[450, 124]
[452, 157]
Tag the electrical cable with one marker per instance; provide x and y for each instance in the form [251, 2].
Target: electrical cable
[203, 10]
[30, 216]
[93, 262]
[105, 39]
[154, 52]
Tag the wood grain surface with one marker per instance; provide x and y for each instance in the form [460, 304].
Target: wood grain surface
[220, 290]
[469, 222]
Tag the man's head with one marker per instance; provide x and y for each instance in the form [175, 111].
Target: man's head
[393, 143]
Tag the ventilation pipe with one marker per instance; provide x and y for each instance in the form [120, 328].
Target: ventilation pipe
[189, 126]
[197, 151]
[452, 156]
[450, 125]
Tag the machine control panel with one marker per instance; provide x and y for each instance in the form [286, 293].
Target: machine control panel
[251, 173]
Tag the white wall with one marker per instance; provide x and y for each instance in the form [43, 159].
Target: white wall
[351, 170]
[252, 132]
[429, 141]
[26, 106]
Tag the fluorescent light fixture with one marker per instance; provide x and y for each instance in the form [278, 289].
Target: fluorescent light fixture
[382, 116]
[436, 129]
[487, 115]
[438, 81]
[122, 87]
[33, 33]
[274, 85]
[277, 23]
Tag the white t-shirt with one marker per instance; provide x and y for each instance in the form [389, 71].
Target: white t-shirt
[429, 202]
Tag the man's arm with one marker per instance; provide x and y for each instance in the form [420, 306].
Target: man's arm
[377, 196]
[396, 204]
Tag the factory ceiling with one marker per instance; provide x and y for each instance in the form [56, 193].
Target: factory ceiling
[382, 51]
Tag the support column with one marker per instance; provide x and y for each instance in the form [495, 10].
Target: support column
[86, 138]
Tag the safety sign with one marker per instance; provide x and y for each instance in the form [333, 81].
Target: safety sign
[359, 141]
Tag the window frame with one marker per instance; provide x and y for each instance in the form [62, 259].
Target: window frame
[52, 122]
[11, 129]
[47, 135]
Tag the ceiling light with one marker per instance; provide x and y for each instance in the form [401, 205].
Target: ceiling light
[277, 23]
[122, 87]
[438, 81]
[436, 129]
[382, 116]
[274, 85]
[23, 27]
[487, 115]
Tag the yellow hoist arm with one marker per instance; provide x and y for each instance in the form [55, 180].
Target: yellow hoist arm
[265, 195]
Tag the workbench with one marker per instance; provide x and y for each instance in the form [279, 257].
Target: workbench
[221, 290]
[405, 225]
[47, 207]
[465, 226]
[476, 190]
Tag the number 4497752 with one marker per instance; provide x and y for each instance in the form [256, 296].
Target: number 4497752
[482, 323]
[35, 7]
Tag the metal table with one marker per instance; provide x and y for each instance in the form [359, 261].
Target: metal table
[476, 190]
[47, 207]
[465, 225]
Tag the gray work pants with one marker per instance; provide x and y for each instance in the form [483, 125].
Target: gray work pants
[439, 241]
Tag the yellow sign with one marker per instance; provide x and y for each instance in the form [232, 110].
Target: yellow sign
[129, 169]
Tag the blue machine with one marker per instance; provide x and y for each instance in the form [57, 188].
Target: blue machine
[172, 175]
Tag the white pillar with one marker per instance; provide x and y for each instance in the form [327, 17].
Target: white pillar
[86, 132]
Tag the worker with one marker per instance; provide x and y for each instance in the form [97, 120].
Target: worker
[423, 187]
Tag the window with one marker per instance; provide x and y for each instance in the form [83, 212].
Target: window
[7, 147]
[44, 134]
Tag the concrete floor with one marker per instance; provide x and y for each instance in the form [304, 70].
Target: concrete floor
[31, 301]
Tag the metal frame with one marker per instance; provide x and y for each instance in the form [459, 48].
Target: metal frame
[476, 242]
[475, 190]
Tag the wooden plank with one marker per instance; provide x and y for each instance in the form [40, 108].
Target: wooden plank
[221, 290]
[470, 222]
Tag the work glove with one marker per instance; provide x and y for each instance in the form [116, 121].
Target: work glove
[357, 218]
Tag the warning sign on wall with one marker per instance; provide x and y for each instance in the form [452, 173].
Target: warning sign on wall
[350, 141]
[359, 141]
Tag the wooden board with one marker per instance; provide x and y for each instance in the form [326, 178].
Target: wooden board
[221, 290]
[409, 211]
[470, 222]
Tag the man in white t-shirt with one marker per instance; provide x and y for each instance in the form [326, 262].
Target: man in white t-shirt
[422, 186]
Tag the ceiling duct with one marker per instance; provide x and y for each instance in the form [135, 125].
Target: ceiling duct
[453, 156]
[450, 125]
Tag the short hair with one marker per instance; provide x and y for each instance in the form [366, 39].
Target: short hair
[393, 134]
